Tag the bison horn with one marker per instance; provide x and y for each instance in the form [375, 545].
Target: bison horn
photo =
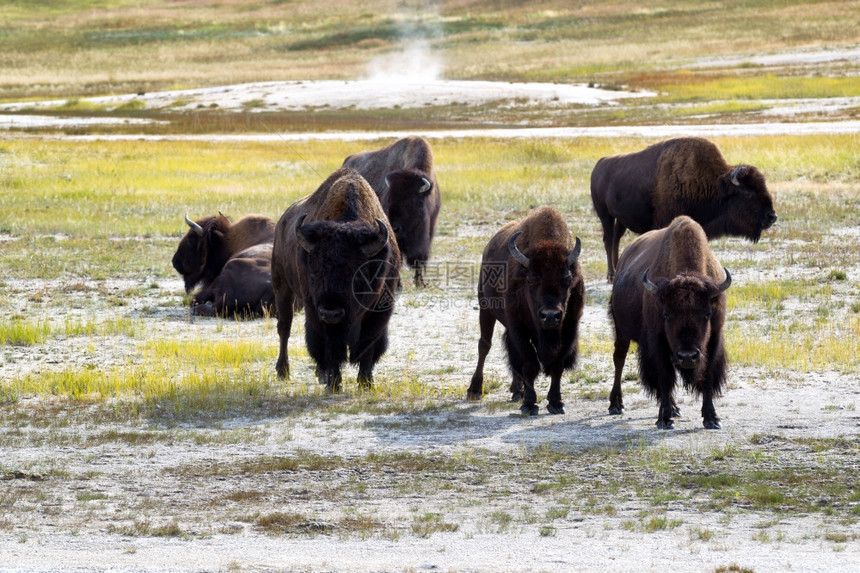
[515, 252]
[728, 282]
[649, 286]
[197, 228]
[425, 189]
[387, 182]
[371, 249]
[574, 254]
[734, 175]
[300, 235]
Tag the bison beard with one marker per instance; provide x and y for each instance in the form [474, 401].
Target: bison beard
[543, 298]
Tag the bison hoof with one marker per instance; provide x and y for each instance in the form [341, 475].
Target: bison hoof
[529, 410]
[665, 424]
[516, 397]
[472, 395]
[676, 412]
[557, 409]
[713, 424]
[616, 410]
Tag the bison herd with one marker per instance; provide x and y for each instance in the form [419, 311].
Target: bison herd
[337, 255]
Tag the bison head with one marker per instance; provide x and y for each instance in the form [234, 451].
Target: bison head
[407, 209]
[748, 204]
[345, 266]
[200, 255]
[550, 273]
[691, 306]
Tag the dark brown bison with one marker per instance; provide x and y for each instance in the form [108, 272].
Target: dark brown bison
[336, 256]
[403, 177]
[645, 190]
[232, 263]
[531, 282]
[669, 298]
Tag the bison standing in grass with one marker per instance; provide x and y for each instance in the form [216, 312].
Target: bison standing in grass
[336, 256]
[531, 282]
[669, 297]
[403, 177]
[645, 190]
[232, 263]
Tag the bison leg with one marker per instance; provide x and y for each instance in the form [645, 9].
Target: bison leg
[372, 344]
[554, 403]
[607, 221]
[523, 360]
[419, 273]
[619, 356]
[488, 324]
[617, 233]
[658, 376]
[284, 305]
[713, 382]
[516, 389]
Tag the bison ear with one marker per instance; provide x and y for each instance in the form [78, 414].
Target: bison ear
[303, 240]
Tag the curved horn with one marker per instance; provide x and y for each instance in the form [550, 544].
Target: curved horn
[371, 249]
[734, 175]
[574, 254]
[300, 235]
[728, 282]
[515, 252]
[387, 182]
[649, 286]
[197, 228]
[425, 189]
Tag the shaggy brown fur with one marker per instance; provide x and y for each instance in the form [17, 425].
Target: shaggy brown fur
[645, 190]
[223, 258]
[668, 297]
[322, 261]
[399, 173]
[539, 305]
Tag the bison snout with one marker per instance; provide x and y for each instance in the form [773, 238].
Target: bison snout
[769, 219]
[550, 318]
[331, 315]
[687, 358]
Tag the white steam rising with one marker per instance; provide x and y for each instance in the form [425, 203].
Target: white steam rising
[415, 60]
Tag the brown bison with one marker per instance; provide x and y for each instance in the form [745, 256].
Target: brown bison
[645, 190]
[336, 256]
[668, 296]
[531, 282]
[403, 177]
[232, 263]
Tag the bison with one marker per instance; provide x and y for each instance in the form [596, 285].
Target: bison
[531, 282]
[336, 255]
[232, 263]
[669, 297]
[403, 177]
[645, 190]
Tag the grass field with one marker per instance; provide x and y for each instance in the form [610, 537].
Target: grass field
[127, 424]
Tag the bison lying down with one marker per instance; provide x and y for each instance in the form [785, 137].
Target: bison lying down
[232, 263]
[336, 256]
[645, 190]
[403, 177]
[531, 282]
[669, 297]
